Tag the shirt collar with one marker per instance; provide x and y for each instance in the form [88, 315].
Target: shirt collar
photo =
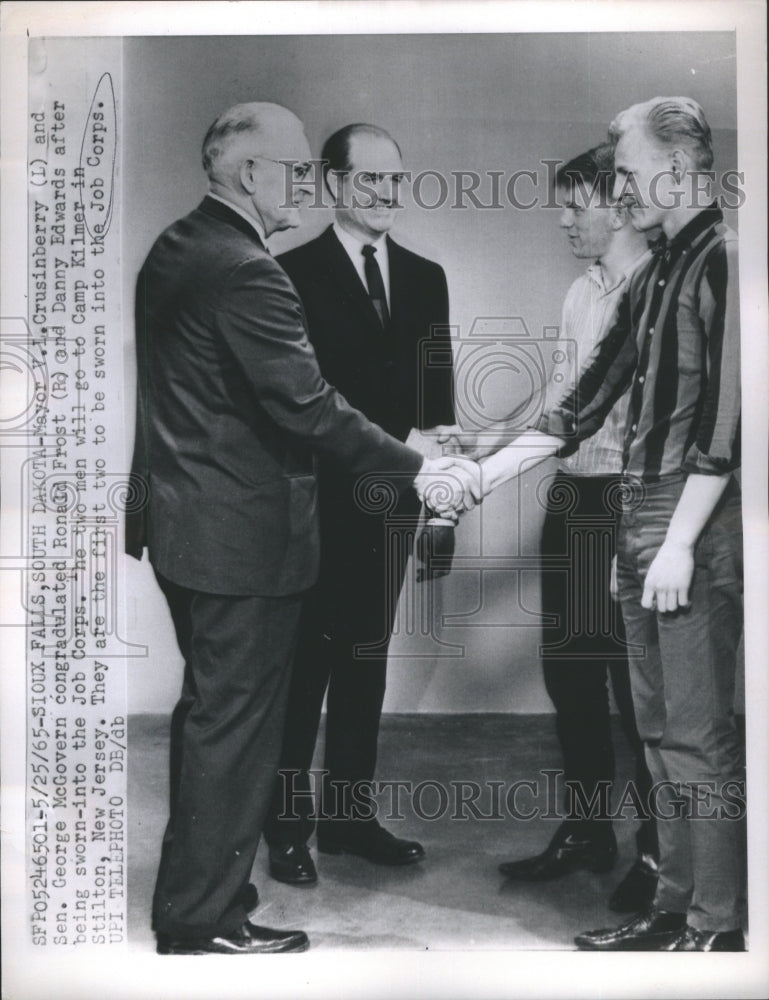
[354, 245]
[693, 229]
[597, 274]
[255, 223]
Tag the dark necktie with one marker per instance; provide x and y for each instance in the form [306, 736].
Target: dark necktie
[376, 288]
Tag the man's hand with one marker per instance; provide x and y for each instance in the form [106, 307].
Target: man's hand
[474, 445]
[670, 575]
[445, 434]
[667, 583]
[449, 485]
[451, 439]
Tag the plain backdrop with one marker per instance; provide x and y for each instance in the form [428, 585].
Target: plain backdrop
[480, 103]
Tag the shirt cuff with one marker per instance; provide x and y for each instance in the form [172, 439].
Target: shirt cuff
[702, 464]
[558, 424]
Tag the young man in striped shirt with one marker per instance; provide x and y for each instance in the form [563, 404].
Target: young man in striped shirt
[586, 639]
[675, 345]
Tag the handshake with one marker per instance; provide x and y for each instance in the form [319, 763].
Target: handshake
[450, 484]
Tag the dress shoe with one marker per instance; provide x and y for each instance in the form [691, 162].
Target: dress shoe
[565, 853]
[375, 844]
[693, 940]
[248, 939]
[650, 931]
[635, 893]
[292, 864]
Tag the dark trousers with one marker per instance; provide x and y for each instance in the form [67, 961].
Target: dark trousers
[354, 708]
[583, 644]
[683, 682]
[346, 625]
[226, 734]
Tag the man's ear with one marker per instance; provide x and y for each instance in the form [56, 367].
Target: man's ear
[247, 176]
[619, 215]
[679, 164]
[334, 181]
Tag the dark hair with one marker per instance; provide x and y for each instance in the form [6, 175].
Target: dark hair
[592, 172]
[336, 149]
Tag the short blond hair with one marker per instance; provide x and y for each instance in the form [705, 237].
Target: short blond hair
[670, 121]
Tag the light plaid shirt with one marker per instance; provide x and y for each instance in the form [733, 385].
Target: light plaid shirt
[588, 311]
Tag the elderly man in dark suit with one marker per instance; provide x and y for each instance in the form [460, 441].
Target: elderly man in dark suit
[231, 407]
[372, 306]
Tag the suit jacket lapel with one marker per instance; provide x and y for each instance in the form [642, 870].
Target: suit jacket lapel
[341, 271]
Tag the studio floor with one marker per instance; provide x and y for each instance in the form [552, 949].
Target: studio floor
[455, 898]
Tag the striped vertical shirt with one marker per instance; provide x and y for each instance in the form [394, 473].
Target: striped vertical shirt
[588, 310]
[675, 344]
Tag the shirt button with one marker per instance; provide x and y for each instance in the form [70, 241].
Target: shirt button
[651, 330]
[641, 379]
[661, 282]
[634, 428]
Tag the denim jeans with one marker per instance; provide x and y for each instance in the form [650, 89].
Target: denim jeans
[585, 644]
[683, 691]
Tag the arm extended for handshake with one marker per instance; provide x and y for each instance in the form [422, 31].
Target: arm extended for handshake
[455, 483]
[450, 489]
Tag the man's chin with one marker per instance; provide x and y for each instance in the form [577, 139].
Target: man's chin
[641, 221]
[380, 221]
[291, 220]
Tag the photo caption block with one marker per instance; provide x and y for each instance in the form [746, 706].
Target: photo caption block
[74, 493]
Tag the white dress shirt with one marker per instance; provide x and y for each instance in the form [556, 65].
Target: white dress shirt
[354, 248]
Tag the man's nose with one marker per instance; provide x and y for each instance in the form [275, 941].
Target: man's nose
[385, 188]
[566, 219]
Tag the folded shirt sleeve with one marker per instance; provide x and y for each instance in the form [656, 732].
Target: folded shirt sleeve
[716, 448]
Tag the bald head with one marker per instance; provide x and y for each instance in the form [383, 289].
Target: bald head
[244, 130]
[256, 157]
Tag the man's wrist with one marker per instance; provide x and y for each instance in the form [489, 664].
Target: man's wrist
[677, 540]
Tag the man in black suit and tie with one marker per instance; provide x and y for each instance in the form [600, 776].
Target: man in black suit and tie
[371, 305]
[231, 407]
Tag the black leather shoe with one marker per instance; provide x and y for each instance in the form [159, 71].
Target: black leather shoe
[566, 852]
[635, 893]
[247, 940]
[292, 864]
[377, 845]
[693, 940]
[650, 931]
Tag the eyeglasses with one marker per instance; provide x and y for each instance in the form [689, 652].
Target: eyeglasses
[299, 171]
